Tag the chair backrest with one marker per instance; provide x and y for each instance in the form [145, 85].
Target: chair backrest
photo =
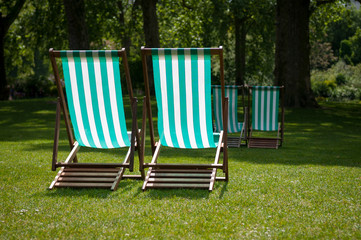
[231, 91]
[265, 105]
[94, 97]
[182, 81]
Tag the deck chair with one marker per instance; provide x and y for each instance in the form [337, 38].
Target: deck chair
[234, 126]
[182, 82]
[95, 103]
[265, 116]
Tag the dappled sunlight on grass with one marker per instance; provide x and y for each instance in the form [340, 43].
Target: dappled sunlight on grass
[308, 188]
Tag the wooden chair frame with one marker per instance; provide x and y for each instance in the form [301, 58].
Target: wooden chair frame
[185, 168]
[96, 171]
[266, 142]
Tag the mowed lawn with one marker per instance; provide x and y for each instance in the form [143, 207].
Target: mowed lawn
[308, 189]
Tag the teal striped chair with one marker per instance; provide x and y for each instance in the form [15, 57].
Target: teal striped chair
[94, 101]
[265, 116]
[182, 82]
[234, 126]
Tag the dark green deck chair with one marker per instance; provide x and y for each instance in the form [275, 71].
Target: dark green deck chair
[94, 101]
[234, 126]
[182, 82]
[265, 116]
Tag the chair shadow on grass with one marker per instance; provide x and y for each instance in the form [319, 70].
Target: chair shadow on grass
[123, 187]
[327, 136]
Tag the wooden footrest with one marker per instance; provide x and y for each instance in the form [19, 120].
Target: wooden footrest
[88, 178]
[263, 143]
[233, 142]
[180, 178]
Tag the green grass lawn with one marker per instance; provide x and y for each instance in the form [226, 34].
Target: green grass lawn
[308, 189]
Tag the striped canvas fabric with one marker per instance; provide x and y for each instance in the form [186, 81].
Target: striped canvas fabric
[182, 80]
[265, 103]
[94, 94]
[231, 91]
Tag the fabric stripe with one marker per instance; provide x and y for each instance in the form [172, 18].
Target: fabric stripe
[176, 98]
[169, 90]
[201, 99]
[69, 95]
[76, 98]
[165, 101]
[101, 100]
[113, 99]
[183, 91]
[189, 98]
[88, 99]
[114, 61]
[94, 98]
[183, 98]
[232, 94]
[195, 99]
[92, 82]
[107, 98]
[265, 102]
[208, 96]
[156, 74]
[217, 109]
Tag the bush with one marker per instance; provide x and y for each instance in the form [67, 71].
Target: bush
[323, 89]
[345, 93]
[340, 79]
[341, 82]
[33, 87]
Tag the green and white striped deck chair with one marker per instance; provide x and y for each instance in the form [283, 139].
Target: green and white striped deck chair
[94, 102]
[182, 82]
[265, 116]
[234, 126]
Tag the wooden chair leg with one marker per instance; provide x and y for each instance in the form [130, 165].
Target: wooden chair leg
[56, 136]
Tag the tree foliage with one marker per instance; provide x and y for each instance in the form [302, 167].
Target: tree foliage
[245, 29]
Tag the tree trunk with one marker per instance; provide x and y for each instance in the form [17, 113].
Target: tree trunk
[151, 33]
[5, 23]
[125, 30]
[4, 93]
[77, 28]
[240, 50]
[292, 64]
[150, 23]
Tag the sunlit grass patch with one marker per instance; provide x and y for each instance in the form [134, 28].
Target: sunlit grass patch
[308, 188]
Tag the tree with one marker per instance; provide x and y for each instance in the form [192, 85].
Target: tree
[77, 28]
[150, 23]
[249, 17]
[5, 23]
[151, 31]
[292, 64]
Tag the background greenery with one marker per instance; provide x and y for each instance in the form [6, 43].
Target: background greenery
[335, 38]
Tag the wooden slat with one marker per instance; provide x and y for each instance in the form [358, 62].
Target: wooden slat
[92, 165]
[263, 143]
[177, 185]
[182, 170]
[221, 179]
[132, 176]
[67, 169]
[183, 166]
[83, 185]
[233, 142]
[88, 174]
[84, 179]
[181, 175]
[179, 180]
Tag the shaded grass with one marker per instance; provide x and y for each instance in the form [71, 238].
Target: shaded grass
[309, 188]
